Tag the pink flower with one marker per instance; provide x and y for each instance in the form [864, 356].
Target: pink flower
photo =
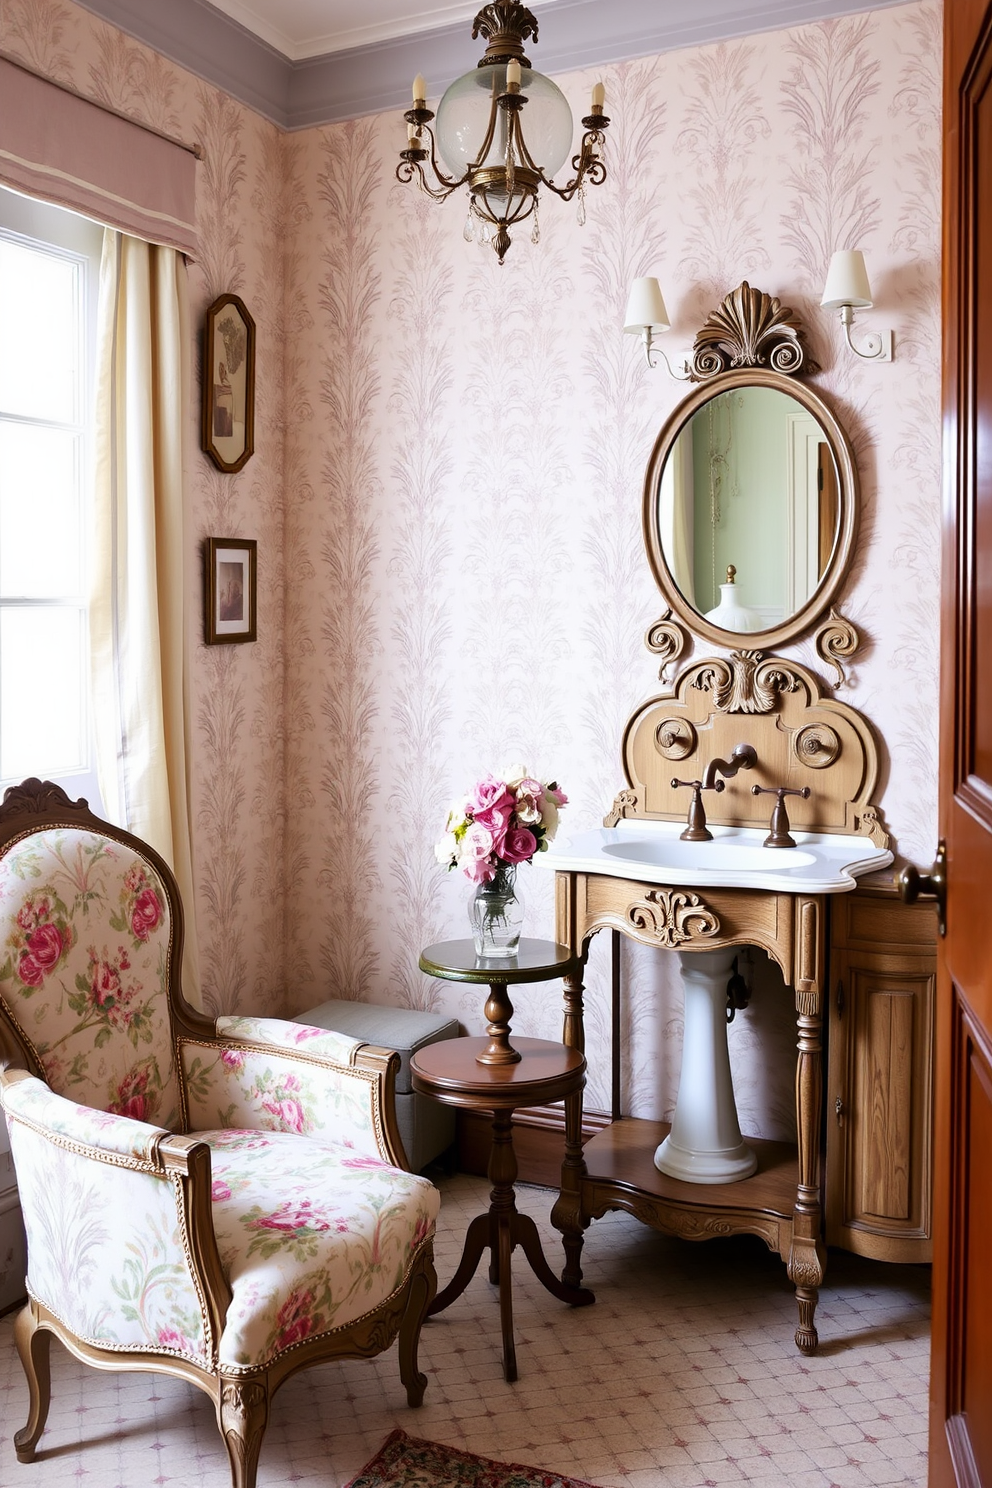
[307, 1031]
[132, 1096]
[475, 852]
[219, 1191]
[289, 1220]
[146, 914]
[105, 982]
[557, 794]
[45, 946]
[495, 820]
[169, 1338]
[295, 1319]
[289, 1112]
[233, 1059]
[363, 1162]
[519, 845]
[488, 793]
[422, 1230]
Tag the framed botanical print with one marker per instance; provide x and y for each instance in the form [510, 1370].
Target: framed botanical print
[230, 590]
[228, 428]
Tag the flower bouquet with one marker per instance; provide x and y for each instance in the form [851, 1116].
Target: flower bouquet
[502, 822]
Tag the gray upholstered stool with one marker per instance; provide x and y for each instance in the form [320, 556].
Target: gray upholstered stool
[427, 1127]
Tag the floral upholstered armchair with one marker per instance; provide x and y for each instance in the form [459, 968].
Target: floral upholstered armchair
[223, 1201]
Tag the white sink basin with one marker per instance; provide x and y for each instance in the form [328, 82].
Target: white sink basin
[726, 853]
[653, 852]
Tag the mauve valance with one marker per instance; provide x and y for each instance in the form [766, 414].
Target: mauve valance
[66, 150]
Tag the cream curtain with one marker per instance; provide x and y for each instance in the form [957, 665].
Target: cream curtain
[139, 605]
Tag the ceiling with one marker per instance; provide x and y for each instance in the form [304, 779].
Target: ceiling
[312, 28]
[302, 63]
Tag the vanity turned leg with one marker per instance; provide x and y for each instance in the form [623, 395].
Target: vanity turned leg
[566, 1214]
[807, 1257]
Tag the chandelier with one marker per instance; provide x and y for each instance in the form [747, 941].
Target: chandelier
[482, 140]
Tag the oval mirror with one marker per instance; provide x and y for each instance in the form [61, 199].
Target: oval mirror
[750, 508]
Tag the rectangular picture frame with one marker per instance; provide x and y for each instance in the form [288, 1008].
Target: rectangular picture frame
[230, 590]
[228, 422]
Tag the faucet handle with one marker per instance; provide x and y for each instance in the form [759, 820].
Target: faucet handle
[779, 835]
[696, 829]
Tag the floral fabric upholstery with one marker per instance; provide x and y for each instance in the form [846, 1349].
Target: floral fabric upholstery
[297, 1037]
[105, 1249]
[84, 966]
[311, 1237]
[265, 1090]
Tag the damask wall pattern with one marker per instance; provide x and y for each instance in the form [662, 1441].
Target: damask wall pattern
[447, 486]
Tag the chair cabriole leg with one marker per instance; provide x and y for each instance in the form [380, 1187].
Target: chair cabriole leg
[242, 1413]
[423, 1286]
[33, 1346]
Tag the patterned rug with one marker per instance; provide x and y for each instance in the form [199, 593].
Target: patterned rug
[408, 1462]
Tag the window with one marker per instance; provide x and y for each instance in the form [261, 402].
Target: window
[49, 279]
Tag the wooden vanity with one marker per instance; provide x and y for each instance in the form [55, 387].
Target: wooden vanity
[855, 959]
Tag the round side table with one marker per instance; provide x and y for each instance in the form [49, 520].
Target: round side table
[456, 1073]
[535, 961]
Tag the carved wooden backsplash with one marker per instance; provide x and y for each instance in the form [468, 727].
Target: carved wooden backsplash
[802, 738]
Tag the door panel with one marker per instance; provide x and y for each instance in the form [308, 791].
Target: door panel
[961, 1361]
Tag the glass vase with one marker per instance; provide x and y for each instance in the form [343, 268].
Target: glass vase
[496, 914]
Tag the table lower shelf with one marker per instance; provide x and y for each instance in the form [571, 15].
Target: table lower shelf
[621, 1175]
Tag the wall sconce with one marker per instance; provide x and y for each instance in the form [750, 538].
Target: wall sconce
[646, 315]
[847, 289]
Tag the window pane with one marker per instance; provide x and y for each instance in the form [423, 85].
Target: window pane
[42, 674]
[39, 333]
[40, 512]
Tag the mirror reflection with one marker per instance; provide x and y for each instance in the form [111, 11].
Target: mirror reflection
[747, 508]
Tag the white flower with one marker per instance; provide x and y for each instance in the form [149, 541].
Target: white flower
[446, 851]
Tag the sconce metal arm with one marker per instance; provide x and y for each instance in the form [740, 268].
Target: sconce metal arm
[681, 371]
[878, 342]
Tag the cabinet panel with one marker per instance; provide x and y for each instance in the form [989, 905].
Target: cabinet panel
[879, 1108]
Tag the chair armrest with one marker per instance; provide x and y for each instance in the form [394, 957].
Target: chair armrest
[264, 1074]
[121, 1245]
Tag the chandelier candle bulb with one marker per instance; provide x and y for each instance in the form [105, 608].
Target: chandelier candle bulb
[419, 91]
[598, 98]
[513, 75]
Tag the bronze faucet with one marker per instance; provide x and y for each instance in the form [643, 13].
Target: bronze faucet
[696, 829]
[742, 757]
[778, 828]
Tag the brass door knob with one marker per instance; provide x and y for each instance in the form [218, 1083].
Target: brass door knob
[913, 885]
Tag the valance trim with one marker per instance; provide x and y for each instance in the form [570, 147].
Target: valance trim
[68, 150]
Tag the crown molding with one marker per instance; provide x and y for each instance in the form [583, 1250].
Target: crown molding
[375, 78]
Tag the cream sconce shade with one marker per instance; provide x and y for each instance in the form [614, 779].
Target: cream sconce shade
[647, 316]
[847, 289]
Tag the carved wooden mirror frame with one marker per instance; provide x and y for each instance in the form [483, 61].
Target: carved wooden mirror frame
[752, 340]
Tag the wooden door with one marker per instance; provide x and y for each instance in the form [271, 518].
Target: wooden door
[961, 1363]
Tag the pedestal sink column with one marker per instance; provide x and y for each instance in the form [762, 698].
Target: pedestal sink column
[704, 1144]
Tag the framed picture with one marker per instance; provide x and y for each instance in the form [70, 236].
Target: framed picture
[228, 430]
[230, 590]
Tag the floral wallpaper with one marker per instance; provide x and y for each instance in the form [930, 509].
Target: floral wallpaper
[447, 481]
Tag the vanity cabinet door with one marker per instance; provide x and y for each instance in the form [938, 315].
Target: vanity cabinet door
[880, 1076]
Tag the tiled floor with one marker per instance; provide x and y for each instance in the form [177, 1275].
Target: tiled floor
[684, 1373]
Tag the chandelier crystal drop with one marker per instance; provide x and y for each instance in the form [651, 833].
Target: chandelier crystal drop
[503, 130]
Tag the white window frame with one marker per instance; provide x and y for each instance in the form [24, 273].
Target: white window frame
[66, 234]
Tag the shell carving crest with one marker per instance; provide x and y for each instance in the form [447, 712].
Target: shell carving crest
[750, 329]
[671, 917]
